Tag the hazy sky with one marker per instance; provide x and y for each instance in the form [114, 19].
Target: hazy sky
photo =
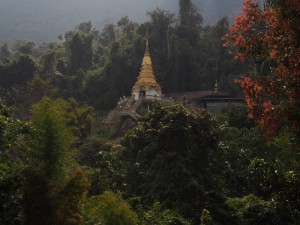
[44, 20]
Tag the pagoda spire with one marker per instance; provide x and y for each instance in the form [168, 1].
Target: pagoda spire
[146, 84]
[216, 88]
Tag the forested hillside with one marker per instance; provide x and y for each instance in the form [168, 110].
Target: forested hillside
[179, 164]
[98, 66]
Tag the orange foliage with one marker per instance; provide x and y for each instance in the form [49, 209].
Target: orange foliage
[260, 35]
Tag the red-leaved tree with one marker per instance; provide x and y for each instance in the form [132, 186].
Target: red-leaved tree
[269, 37]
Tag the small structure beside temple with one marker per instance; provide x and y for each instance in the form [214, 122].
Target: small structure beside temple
[212, 100]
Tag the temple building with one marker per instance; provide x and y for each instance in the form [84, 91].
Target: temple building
[146, 90]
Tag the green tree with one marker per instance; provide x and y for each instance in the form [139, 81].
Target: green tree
[240, 147]
[235, 116]
[189, 15]
[18, 73]
[260, 176]
[96, 85]
[49, 63]
[205, 217]
[72, 198]
[80, 118]
[13, 137]
[100, 158]
[168, 156]
[214, 61]
[48, 163]
[109, 209]
[51, 194]
[81, 52]
[158, 215]
[127, 28]
[108, 34]
[35, 90]
[25, 47]
[4, 53]
[251, 210]
[277, 183]
[187, 36]
[85, 27]
[161, 38]
[51, 140]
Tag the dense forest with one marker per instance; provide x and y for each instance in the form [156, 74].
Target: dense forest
[179, 165]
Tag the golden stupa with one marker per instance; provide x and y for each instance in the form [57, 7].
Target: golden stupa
[146, 84]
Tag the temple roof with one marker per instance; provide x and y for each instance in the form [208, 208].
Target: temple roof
[146, 77]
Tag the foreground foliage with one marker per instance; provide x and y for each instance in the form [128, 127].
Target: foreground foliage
[49, 176]
[169, 156]
[110, 209]
[13, 140]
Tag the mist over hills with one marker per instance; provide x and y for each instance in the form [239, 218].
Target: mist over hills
[42, 20]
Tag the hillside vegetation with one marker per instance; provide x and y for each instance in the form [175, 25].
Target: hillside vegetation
[179, 164]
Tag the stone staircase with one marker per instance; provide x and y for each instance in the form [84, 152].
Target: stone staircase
[127, 107]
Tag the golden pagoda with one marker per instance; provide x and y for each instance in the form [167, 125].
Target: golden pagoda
[146, 86]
